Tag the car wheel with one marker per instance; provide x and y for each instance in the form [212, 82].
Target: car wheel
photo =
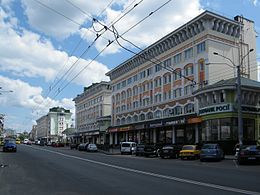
[201, 160]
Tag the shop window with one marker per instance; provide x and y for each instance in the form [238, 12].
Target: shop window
[249, 129]
[225, 129]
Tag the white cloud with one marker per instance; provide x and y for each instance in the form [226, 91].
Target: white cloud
[27, 54]
[153, 28]
[30, 97]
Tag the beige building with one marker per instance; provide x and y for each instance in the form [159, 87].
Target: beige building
[93, 105]
[152, 98]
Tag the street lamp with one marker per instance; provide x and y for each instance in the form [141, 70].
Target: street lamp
[239, 109]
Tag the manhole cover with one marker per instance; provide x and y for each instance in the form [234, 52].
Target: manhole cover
[3, 166]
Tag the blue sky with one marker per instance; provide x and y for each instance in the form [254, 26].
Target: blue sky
[38, 45]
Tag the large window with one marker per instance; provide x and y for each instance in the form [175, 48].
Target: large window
[201, 47]
[188, 53]
[177, 58]
[158, 67]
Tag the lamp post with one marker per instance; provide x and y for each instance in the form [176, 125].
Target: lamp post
[239, 109]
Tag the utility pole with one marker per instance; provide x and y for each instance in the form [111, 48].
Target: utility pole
[239, 101]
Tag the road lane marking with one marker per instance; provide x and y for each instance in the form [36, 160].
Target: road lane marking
[209, 185]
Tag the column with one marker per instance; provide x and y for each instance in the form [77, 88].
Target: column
[173, 135]
[115, 138]
[196, 133]
[126, 136]
[139, 136]
[154, 135]
[110, 138]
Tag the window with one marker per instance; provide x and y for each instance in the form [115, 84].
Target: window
[129, 81]
[142, 117]
[129, 93]
[135, 78]
[123, 95]
[176, 75]
[129, 119]
[124, 83]
[177, 58]
[201, 47]
[123, 108]
[177, 93]
[142, 74]
[149, 71]
[189, 108]
[118, 86]
[188, 53]
[222, 97]
[158, 67]
[177, 110]
[150, 115]
[188, 90]
[158, 114]
[188, 70]
[135, 90]
[167, 63]
[166, 112]
[158, 98]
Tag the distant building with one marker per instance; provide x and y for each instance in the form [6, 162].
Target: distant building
[92, 107]
[34, 132]
[52, 125]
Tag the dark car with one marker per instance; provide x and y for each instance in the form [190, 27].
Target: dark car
[9, 145]
[170, 151]
[42, 143]
[150, 150]
[74, 146]
[58, 144]
[83, 147]
[211, 151]
[248, 154]
[139, 150]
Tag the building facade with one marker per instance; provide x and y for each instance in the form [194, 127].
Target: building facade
[51, 126]
[92, 107]
[152, 92]
[218, 109]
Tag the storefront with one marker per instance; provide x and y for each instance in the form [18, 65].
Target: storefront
[218, 110]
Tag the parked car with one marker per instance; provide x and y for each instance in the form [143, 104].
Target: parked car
[127, 147]
[82, 146]
[18, 141]
[170, 151]
[92, 148]
[37, 142]
[139, 151]
[57, 144]
[248, 154]
[150, 150]
[49, 143]
[42, 143]
[25, 141]
[9, 145]
[190, 152]
[29, 142]
[74, 146]
[211, 151]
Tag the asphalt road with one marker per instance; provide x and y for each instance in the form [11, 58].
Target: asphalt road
[47, 170]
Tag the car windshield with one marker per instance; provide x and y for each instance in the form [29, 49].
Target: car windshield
[10, 141]
[188, 148]
[125, 145]
[209, 146]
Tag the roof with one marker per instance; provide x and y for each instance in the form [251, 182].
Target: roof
[245, 82]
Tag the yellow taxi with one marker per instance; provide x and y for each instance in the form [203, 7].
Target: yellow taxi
[190, 152]
[17, 141]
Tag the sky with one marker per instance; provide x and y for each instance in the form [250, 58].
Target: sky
[51, 49]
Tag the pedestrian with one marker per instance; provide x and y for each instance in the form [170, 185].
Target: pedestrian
[236, 148]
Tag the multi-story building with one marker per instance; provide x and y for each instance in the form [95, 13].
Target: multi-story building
[218, 109]
[91, 106]
[34, 132]
[51, 126]
[152, 98]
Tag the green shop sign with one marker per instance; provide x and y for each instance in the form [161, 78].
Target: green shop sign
[216, 109]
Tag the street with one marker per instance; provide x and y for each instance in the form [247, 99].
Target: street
[47, 170]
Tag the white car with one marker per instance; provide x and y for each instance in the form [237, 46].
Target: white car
[128, 147]
[25, 141]
[92, 148]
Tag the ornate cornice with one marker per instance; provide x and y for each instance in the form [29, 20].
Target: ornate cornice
[205, 21]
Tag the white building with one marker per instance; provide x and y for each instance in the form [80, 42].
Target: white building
[53, 124]
[152, 98]
[94, 103]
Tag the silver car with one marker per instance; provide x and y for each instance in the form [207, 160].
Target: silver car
[211, 151]
[92, 148]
